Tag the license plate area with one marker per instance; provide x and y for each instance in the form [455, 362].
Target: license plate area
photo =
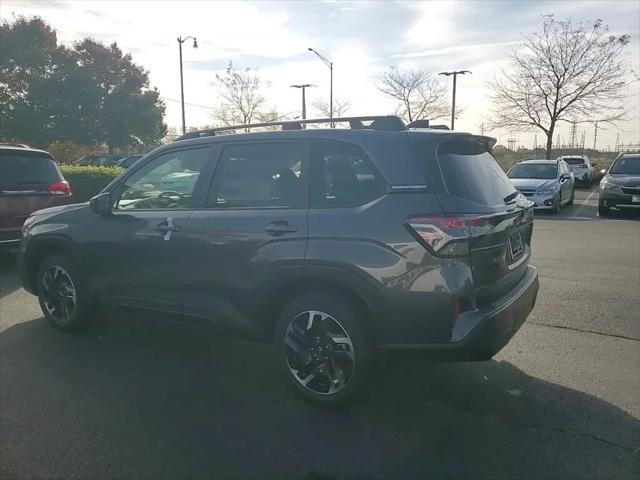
[635, 198]
[516, 246]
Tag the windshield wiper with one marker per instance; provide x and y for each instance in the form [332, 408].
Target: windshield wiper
[511, 196]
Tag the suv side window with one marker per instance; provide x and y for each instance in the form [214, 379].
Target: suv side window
[342, 176]
[259, 175]
[165, 183]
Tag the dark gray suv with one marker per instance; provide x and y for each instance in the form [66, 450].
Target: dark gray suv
[332, 244]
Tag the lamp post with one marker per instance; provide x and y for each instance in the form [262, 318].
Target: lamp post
[304, 86]
[195, 45]
[330, 65]
[453, 104]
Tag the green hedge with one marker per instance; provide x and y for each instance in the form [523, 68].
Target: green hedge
[87, 181]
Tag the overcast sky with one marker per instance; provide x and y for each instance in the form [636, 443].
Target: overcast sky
[362, 38]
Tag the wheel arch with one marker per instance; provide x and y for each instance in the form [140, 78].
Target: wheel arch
[40, 249]
[337, 280]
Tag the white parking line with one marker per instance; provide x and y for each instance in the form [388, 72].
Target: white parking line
[586, 202]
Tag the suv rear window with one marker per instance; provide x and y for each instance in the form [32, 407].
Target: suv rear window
[470, 172]
[20, 171]
[574, 161]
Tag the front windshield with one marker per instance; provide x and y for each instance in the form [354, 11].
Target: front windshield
[626, 166]
[534, 170]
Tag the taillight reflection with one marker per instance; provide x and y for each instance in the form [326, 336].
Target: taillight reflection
[60, 188]
[445, 236]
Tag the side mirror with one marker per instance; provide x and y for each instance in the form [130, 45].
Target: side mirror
[101, 203]
[603, 172]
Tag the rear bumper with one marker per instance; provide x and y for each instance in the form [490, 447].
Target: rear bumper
[581, 176]
[479, 335]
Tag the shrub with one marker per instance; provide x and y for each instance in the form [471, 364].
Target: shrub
[87, 181]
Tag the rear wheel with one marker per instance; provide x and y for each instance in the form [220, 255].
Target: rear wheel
[61, 293]
[323, 348]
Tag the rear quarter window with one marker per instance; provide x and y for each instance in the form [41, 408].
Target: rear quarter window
[19, 171]
[470, 172]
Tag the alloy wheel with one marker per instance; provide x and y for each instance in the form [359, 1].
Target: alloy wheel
[58, 293]
[319, 352]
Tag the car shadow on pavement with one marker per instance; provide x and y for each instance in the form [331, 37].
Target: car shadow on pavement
[143, 398]
[9, 281]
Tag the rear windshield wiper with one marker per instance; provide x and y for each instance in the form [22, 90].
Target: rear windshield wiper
[510, 197]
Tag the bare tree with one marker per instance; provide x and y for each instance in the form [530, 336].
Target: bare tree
[419, 94]
[566, 71]
[340, 107]
[240, 94]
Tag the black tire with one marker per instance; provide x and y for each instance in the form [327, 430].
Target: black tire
[350, 319]
[573, 197]
[67, 317]
[556, 206]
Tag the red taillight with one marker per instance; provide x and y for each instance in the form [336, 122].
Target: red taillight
[60, 188]
[436, 233]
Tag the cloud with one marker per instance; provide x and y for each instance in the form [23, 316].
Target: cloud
[362, 38]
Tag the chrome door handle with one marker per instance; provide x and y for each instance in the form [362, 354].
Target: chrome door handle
[167, 227]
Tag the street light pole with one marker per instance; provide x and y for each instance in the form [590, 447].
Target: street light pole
[453, 103]
[304, 102]
[329, 64]
[195, 45]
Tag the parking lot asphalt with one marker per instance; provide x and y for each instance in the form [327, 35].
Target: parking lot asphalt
[139, 398]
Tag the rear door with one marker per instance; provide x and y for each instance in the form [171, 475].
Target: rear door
[29, 181]
[502, 218]
[251, 230]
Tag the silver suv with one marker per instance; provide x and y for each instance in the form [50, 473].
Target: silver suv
[549, 184]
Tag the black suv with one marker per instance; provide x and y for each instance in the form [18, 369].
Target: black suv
[333, 244]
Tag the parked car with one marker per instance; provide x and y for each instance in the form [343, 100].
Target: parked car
[549, 184]
[620, 187]
[128, 161]
[332, 244]
[100, 160]
[29, 180]
[581, 168]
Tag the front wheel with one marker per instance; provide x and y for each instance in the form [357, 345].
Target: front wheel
[573, 197]
[556, 205]
[323, 348]
[60, 293]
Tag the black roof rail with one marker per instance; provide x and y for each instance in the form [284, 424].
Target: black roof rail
[378, 122]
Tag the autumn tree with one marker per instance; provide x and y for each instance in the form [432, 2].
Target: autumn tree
[241, 99]
[90, 93]
[566, 71]
[30, 60]
[419, 95]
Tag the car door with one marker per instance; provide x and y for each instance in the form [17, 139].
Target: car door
[250, 232]
[565, 182]
[141, 252]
